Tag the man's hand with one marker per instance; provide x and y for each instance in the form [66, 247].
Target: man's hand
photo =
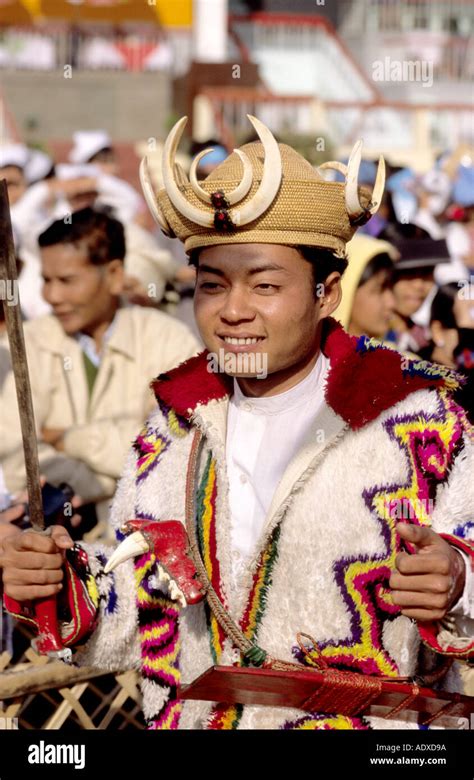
[427, 583]
[33, 564]
[7, 518]
[54, 437]
[71, 187]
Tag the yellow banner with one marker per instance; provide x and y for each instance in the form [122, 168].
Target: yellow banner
[32, 6]
[174, 13]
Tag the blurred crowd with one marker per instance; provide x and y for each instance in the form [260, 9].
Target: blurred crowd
[107, 306]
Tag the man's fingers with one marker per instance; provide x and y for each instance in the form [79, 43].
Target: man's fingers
[426, 583]
[436, 563]
[424, 614]
[420, 535]
[61, 537]
[32, 592]
[34, 542]
[32, 560]
[407, 598]
[32, 576]
[12, 513]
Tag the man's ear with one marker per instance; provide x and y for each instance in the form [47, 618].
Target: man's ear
[331, 298]
[115, 276]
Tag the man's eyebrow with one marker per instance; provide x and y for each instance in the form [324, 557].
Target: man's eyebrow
[257, 270]
[210, 270]
[267, 267]
[62, 276]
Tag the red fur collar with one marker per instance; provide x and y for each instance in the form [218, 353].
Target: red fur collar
[364, 379]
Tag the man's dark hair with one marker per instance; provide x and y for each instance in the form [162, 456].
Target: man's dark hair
[380, 262]
[323, 262]
[442, 306]
[101, 236]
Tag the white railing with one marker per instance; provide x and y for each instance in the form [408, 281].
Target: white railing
[140, 49]
[452, 16]
[385, 127]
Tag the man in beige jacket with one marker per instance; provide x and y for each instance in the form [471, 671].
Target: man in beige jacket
[90, 362]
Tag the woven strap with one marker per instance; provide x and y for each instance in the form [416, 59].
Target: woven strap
[252, 652]
[344, 692]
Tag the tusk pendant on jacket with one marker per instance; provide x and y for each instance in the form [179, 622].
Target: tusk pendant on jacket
[133, 545]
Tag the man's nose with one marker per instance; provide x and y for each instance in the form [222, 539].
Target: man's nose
[237, 306]
[419, 285]
[53, 292]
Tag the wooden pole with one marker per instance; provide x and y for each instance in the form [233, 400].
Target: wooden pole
[9, 292]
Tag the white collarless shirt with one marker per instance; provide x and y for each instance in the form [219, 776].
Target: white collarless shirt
[263, 436]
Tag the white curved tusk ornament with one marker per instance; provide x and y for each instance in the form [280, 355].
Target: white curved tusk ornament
[261, 200]
[354, 207]
[150, 198]
[333, 165]
[237, 194]
[133, 545]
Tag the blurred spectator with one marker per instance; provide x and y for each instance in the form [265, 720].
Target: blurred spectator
[211, 160]
[460, 228]
[367, 299]
[90, 362]
[384, 216]
[148, 266]
[39, 166]
[413, 287]
[94, 146]
[13, 161]
[452, 336]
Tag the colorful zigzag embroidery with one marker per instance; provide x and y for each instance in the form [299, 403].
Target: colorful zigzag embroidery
[150, 446]
[429, 442]
[160, 644]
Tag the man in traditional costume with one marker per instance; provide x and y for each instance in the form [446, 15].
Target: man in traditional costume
[326, 488]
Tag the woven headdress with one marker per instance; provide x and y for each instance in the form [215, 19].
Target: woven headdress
[264, 192]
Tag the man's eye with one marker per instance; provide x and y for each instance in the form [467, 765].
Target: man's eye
[210, 286]
[267, 286]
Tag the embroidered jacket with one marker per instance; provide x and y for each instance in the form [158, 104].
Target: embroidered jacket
[395, 446]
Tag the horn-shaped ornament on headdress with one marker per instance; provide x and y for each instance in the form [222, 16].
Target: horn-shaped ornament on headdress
[151, 200]
[224, 217]
[358, 214]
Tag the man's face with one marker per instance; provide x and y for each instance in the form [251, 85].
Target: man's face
[411, 289]
[258, 298]
[82, 295]
[373, 307]
[16, 182]
[106, 160]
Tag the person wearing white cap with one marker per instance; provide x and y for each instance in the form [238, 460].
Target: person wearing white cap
[39, 166]
[94, 146]
[13, 161]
